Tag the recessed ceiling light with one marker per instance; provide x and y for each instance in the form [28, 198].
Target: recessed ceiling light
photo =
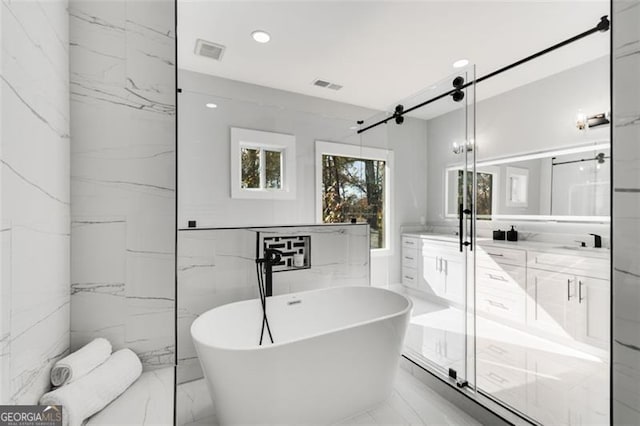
[353, 128]
[461, 63]
[211, 105]
[261, 36]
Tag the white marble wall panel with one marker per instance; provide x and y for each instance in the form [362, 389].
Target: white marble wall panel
[123, 174]
[216, 267]
[35, 198]
[626, 211]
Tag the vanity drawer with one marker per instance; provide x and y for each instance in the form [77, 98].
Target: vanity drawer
[409, 257]
[511, 355]
[507, 380]
[440, 249]
[504, 278]
[491, 255]
[410, 277]
[506, 306]
[410, 242]
[579, 265]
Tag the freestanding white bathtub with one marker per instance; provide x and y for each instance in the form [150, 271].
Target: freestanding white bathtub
[335, 354]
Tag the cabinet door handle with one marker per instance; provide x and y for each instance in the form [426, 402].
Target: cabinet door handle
[496, 304]
[580, 298]
[497, 277]
[408, 257]
[569, 290]
[446, 266]
[495, 254]
[497, 349]
[437, 267]
[407, 277]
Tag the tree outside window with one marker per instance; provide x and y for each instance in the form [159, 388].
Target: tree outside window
[260, 168]
[353, 188]
[484, 195]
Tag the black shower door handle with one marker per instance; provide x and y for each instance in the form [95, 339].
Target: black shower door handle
[461, 213]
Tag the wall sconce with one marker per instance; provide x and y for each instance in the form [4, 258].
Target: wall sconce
[583, 121]
[460, 148]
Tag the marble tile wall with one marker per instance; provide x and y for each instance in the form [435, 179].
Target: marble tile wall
[122, 86]
[626, 212]
[216, 267]
[34, 196]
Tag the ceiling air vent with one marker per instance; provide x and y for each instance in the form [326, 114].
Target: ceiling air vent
[326, 84]
[209, 49]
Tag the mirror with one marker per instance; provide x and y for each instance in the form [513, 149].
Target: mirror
[568, 184]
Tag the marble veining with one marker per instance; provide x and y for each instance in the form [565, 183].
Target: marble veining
[34, 197]
[626, 220]
[122, 93]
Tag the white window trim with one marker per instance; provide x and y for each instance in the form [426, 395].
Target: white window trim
[495, 171]
[366, 153]
[286, 144]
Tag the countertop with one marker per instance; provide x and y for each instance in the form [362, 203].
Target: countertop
[540, 246]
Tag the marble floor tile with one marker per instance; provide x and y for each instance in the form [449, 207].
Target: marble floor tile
[410, 403]
[546, 380]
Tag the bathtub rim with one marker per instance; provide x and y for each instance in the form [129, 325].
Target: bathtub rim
[406, 310]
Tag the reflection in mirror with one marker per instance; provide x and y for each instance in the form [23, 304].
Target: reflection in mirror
[563, 184]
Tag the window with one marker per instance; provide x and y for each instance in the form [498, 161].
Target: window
[253, 175]
[486, 197]
[352, 184]
[262, 164]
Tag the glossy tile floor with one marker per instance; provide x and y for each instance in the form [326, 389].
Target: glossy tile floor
[411, 402]
[550, 382]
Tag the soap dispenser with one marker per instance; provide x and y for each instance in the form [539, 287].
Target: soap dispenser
[512, 235]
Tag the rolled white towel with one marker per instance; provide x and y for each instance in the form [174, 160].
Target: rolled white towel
[92, 392]
[79, 363]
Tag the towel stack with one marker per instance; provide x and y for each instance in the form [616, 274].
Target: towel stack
[89, 379]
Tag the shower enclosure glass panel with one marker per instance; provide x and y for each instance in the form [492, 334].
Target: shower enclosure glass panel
[543, 301]
[441, 330]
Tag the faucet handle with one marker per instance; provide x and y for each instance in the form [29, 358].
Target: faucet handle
[582, 243]
[597, 243]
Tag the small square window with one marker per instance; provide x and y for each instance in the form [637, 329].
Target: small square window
[262, 164]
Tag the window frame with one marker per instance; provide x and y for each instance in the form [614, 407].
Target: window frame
[363, 153]
[263, 141]
[495, 190]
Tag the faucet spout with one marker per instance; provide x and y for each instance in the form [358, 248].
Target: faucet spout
[597, 243]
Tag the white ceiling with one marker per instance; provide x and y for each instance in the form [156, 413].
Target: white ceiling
[384, 51]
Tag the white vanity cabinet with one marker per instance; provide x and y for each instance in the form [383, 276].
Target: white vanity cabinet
[552, 290]
[434, 267]
[501, 279]
[410, 260]
[569, 296]
[442, 270]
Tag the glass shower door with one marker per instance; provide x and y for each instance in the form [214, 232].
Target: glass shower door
[440, 334]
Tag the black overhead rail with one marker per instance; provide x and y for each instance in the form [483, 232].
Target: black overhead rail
[602, 26]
